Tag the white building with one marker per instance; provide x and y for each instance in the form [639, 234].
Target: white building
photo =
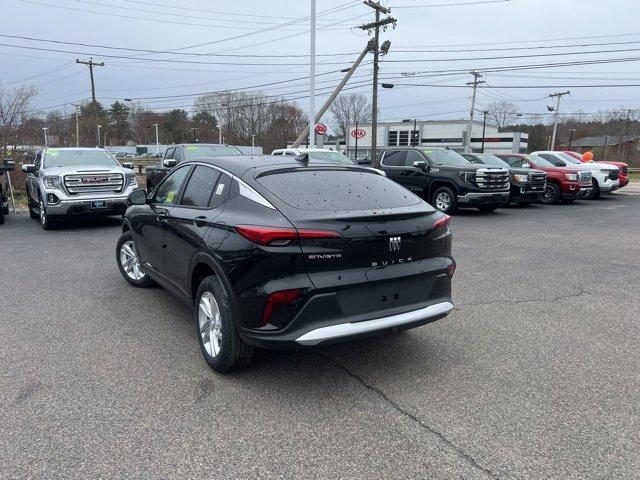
[435, 133]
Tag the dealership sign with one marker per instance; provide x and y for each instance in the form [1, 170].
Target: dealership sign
[321, 129]
[358, 133]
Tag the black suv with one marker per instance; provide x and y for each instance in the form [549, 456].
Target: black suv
[446, 179]
[275, 252]
[527, 185]
[185, 151]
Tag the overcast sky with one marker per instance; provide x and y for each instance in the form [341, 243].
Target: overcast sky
[522, 28]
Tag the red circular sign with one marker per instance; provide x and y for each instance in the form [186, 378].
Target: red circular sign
[321, 129]
[358, 133]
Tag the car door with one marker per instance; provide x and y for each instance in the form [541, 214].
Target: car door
[149, 225]
[32, 180]
[392, 162]
[191, 225]
[415, 179]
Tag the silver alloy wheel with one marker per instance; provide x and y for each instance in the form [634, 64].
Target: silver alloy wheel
[43, 216]
[129, 261]
[443, 201]
[210, 323]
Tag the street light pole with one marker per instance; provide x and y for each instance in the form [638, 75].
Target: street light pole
[99, 127]
[77, 128]
[484, 126]
[46, 143]
[157, 140]
[312, 78]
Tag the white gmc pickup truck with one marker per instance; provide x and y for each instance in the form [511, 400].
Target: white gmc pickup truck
[65, 182]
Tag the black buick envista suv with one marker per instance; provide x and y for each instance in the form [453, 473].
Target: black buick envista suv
[283, 252]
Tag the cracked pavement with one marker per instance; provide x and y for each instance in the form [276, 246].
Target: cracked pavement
[534, 375]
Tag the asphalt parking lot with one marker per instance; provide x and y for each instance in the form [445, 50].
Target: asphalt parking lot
[535, 374]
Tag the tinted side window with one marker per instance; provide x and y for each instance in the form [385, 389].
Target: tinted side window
[413, 156]
[394, 158]
[38, 161]
[169, 153]
[554, 160]
[221, 193]
[200, 187]
[515, 161]
[167, 192]
[177, 155]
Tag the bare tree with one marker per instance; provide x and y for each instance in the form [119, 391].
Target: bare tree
[14, 105]
[503, 113]
[350, 108]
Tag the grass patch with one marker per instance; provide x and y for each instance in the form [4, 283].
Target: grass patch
[634, 176]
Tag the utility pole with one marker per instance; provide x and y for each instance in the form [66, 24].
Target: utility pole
[99, 127]
[46, 142]
[604, 149]
[375, 26]
[356, 152]
[91, 64]
[312, 78]
[624, 133]
[571, 137]
[558, 96]
[305, 133]
[475, 83]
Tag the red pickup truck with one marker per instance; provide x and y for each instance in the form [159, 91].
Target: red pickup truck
[624, 168]
[563, 183]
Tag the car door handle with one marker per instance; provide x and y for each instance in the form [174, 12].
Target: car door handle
[162, 212]
[200, 221]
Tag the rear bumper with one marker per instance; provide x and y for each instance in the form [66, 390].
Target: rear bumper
[483, 198]
[351, 330]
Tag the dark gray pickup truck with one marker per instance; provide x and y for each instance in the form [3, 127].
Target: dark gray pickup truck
[185, 151]
[6, 166]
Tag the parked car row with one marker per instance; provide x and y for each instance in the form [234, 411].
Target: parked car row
[449, 180]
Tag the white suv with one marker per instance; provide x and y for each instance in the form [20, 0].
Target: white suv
[331, 156]
[603, 176]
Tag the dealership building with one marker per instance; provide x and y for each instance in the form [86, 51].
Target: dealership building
[433, 133]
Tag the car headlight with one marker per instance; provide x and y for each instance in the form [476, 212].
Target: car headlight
[131, 180]
[469, 177]
[606, 172]
[522, 178]
[52, 181]
[572, 177]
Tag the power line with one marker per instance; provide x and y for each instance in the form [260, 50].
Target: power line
[53, 70]
[432, 5]
[537, 47]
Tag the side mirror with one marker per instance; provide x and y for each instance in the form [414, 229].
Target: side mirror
[128, 165]
[137, 197]
[422, 165]
[169, 162]
[526, 165]
[29, 168]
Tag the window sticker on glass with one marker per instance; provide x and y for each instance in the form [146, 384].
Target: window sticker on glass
[220, 189]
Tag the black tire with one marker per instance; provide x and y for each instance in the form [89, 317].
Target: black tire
[233, 353]
[488, 209]
[447, 197]
[145, 281]
[552, 194]
[595, 191]
[32, 213]
[45, 219]
[1, 216]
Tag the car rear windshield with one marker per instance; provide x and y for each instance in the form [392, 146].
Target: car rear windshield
[77, 158]
[337, 190]
[194, 151]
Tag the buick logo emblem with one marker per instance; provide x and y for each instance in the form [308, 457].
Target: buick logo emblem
[394, 244]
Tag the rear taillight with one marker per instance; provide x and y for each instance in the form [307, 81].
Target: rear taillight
[442, 221]
[276, 299]
[278, 236]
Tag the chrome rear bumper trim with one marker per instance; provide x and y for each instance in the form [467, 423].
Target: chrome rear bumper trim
[314, 337]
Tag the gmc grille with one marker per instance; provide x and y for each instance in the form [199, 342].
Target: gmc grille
[91, 183]
[492, 179]
[584, 177]
[538, 181]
